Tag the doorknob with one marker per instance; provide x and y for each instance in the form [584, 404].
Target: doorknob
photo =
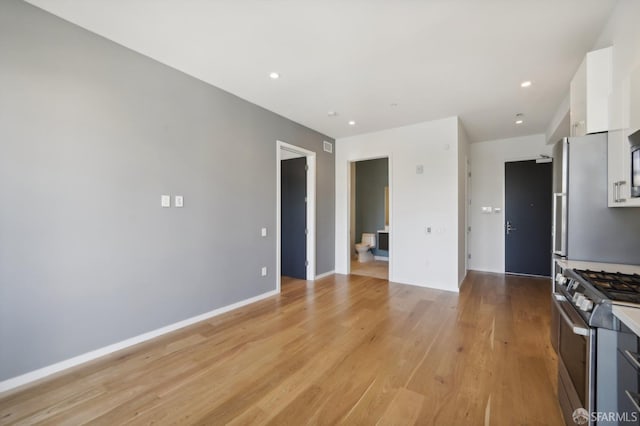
[510, 228]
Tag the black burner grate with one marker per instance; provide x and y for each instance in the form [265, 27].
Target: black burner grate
[616, 286]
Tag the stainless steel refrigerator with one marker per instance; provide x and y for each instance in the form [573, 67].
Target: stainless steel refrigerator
[584, 228]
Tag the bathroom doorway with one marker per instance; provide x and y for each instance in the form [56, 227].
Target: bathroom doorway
[369, 211]
[303, 200]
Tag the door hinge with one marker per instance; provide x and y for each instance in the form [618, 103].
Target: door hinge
[469, 256]
[306, 167]
[469, 229]
[305, 199]
[469, 174]
[306, 263]
[306, 232]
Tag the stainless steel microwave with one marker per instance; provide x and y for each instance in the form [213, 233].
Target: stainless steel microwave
[634, 140]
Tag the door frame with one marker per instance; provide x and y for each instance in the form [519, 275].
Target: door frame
[350, 163]
[503, 240]
[311, 208]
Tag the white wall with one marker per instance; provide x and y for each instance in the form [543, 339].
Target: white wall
[417, 200]
[463, 158]
[486, 240]
[559, 126]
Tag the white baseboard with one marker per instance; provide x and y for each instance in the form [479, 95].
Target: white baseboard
[40, 373]
[489, 270]
[384, 258]
[326, 274]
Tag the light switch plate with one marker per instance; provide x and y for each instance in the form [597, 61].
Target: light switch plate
[419, 169]
[165, 200]
[179, 201]
[263, 232]
[264, 271]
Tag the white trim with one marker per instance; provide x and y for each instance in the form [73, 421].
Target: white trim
[311, 208]
[487, 270]
[40, 373]
[503, 213]
[383, 258]
[351, 161]
[326, 274]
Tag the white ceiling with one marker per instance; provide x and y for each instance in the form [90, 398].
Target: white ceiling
[433, 58]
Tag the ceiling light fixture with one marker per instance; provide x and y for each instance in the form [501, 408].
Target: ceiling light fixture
[274, 75]
[352, 123]
[525, 83]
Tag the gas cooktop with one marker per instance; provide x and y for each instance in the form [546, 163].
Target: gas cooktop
[615, 286]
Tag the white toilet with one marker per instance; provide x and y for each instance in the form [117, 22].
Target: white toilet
[364, 248]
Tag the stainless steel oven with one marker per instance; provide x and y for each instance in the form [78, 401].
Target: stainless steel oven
[576, 352]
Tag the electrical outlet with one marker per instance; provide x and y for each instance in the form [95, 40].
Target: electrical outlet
[264, 271]
[165, 200]
[263, 232]
[179, 201]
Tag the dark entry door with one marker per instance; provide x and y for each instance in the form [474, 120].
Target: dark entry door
[294, 218]
[528, 198]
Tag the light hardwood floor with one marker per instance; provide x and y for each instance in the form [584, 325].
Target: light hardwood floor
[375, 268]
[345, 349]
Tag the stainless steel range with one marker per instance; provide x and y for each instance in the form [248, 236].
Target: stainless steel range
[586, 335]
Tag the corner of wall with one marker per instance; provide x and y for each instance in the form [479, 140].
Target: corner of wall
[559, 125]
[463, 191]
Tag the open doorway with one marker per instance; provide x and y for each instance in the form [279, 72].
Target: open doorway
[295, 212]
[369, 213]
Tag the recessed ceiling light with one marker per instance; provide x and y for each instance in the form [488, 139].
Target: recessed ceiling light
[352, 123]
[525, 83]
[519, 118]
[332, 113]
[274, 75]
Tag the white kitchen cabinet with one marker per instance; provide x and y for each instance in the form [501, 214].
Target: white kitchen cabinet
[619, 169]
[634, 100]
[619, 152]
[590, 93]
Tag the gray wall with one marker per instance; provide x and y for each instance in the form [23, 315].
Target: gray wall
[371, 178]
[91, 134]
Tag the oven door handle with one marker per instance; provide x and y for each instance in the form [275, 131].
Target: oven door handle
[576, 328]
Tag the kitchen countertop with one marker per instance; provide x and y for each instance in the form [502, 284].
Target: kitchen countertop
[597, 266]
[629, 316]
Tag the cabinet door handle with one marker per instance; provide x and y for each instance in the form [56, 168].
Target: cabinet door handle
[635, 399]
[616, 186]
[633, 358]
[620, 199]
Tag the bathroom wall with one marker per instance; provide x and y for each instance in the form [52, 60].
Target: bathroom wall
[372, 176]
[91, 134]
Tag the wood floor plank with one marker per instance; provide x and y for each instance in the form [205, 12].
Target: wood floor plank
[342, 350]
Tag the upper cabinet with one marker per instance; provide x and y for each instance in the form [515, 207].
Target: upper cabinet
[634, 100]
[590, 94]
[619, 170]
[619, 153]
